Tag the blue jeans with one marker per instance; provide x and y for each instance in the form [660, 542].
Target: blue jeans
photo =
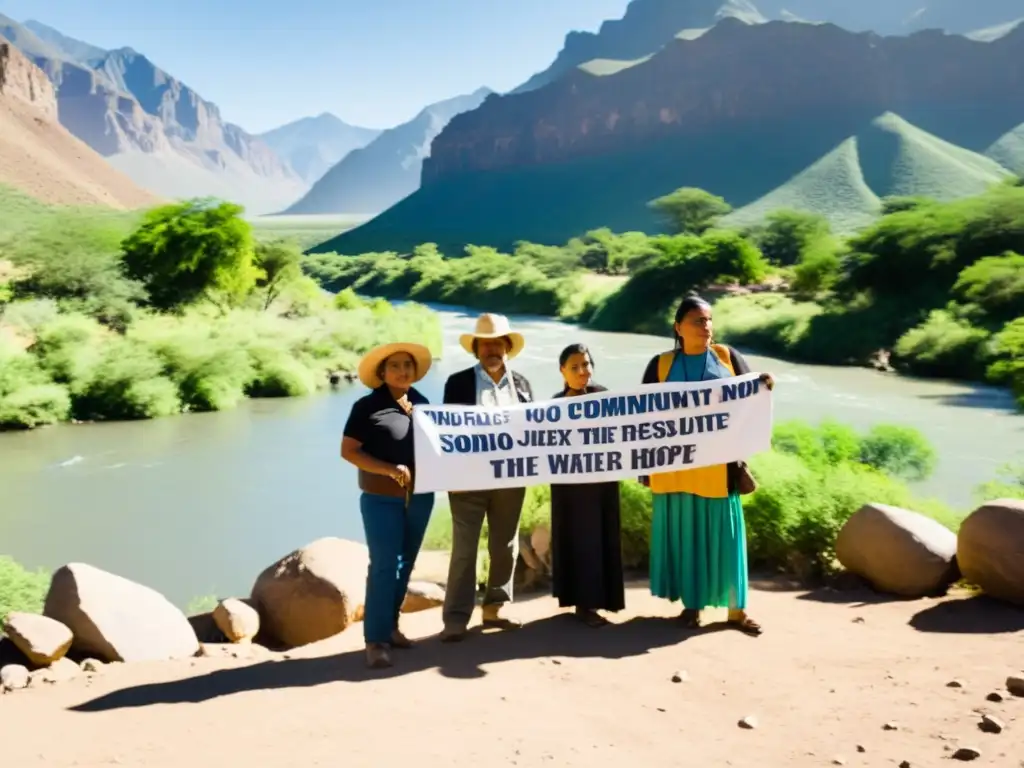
[394, 535]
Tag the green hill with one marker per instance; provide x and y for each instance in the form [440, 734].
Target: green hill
[838, 166]
[1008, 151]
[890, 157]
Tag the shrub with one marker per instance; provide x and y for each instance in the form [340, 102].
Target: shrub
[21, 589]
[898, 451]
[28, 397]
[944, 345]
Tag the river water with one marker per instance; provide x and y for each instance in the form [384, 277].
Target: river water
[199, 504]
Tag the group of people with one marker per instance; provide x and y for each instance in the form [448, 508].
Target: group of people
[698, 538]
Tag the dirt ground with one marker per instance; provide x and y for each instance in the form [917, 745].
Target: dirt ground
[831, 672]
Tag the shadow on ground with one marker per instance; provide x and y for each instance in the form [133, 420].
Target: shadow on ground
[558, 636]
[972, 615]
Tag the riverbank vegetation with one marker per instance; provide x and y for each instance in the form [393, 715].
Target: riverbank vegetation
[117, 316]
[936, 289]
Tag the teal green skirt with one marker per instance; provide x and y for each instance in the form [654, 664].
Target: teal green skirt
[699, 551]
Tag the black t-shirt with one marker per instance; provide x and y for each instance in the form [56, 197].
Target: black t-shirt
[384, 429]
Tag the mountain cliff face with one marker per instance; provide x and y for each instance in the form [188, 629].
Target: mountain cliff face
[734, 74]
[647, 25]
[153, 127]
[39, 156]
[370, 179]
[313, 144]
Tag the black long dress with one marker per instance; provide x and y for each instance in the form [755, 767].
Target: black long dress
[586, 543]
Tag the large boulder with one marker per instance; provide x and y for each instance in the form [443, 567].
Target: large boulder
[898, 551]
[313, 593]
[115, 619]
[422, 596]
[990, 549]
[42, 639]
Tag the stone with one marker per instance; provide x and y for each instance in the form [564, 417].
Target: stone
[14, 677]
[749, 722]
[1015, 684]
[891, 726]
[990, 549]
[42, 639]
[898, 551]
[955, 684]
[60, 671]
[995, 696]
[312, 593]
[422, 596]
[91, 665]
[838, 760]
[239, 621]
[115, 619]
[991, 724]
[680, 677]
[861, 748]
[966, 754]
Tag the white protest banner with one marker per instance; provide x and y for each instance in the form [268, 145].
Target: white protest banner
[601, 437]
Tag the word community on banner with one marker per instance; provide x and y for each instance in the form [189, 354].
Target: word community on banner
[603, 437]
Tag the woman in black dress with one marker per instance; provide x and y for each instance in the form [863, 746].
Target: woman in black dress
[586, 545]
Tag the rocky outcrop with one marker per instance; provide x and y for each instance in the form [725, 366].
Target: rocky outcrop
[990, 549]
[154, 128]
[898, 551]
[312, 593]
[733, 76]
[40, 156]
[115, 619]
[41, 639]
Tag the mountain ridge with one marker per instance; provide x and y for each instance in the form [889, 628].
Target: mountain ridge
[144, 120]
[312, 145]
[374, 177]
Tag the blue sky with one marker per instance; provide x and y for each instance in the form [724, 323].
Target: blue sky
[370, 62]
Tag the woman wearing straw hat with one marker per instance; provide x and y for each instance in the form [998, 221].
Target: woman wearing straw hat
[378, 440]
[489, 383]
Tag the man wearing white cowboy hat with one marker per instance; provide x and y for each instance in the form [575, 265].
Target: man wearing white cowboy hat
[490, 382]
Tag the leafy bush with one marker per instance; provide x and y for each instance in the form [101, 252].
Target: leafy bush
[21, 589]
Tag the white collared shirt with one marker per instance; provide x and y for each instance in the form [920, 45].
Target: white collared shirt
[491, 394]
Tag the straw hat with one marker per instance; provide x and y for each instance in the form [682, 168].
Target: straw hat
[491, 326]
[371, 361]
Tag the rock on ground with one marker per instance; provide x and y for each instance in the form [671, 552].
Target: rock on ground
[42, 639]
[238, 620]
[14, 677]
[313, 593]
[422, 596]
[898, 551]
[990, 549]
[116, 619]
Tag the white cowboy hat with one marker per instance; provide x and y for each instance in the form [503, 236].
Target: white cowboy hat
[371, 361]
[491, 326]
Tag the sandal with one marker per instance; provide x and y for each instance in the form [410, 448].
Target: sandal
[591, 618]
[690, 617]
[746, 625]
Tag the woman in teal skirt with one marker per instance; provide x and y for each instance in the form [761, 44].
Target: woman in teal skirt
[698, 536]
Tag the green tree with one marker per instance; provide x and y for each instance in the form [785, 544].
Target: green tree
[280, 265]
[786, 234]
[996, 285]
[691, 210]
[190, 250]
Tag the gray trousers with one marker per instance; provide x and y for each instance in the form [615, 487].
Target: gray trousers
[502, 509]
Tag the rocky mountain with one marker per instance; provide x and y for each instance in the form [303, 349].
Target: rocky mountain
[40, 157]
[647, 25]
[373, 178]
[739, 110]
[152, 127]
[313, 144]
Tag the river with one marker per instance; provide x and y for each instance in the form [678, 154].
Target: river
[199, 504]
